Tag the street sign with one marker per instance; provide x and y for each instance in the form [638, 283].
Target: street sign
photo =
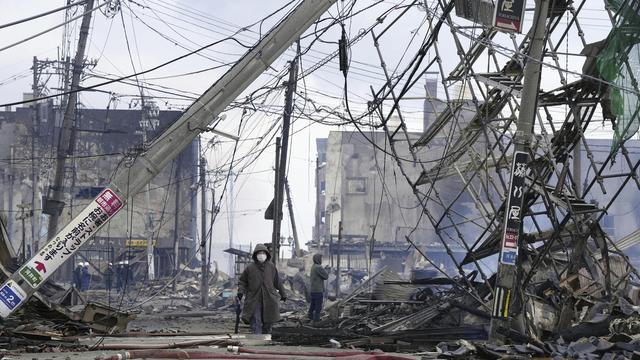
[138, 243]
[11, 295]
[38, 269]
[513, 210]
[509, 14]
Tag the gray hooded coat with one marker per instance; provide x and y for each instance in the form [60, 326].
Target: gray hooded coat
[318, 274]
[260, 284]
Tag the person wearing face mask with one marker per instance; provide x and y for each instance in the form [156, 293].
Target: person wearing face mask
[261, 288]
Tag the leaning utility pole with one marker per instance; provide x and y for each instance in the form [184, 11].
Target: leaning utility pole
[64, 138]
[296, 248]
[505, 289]
[282, 163]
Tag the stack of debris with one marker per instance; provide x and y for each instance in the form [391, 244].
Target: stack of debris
[578, 315]
[389, 313]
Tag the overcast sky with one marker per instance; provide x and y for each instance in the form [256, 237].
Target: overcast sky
[160, 30]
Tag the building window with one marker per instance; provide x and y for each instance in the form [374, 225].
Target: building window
[322, 186]
[357, 186]
[322, 217]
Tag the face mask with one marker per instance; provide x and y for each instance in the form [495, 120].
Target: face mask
[261, 257]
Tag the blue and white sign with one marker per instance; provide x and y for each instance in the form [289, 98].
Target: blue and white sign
[11, 295]
[509, 257]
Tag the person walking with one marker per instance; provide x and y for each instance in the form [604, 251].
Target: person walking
[318, 275]
[260, 286]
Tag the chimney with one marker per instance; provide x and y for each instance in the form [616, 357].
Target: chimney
[430, 103]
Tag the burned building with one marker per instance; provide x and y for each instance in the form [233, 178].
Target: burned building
[103, 140]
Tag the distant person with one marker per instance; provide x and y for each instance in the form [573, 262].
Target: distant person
[260, 285]
[86, 277]
[127, 274]
[108, 277]
[77, 276]
[118, 272]
[318, 276]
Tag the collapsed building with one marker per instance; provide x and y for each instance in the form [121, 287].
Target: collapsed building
[102, 139]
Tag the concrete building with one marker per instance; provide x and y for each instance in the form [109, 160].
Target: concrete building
[360, 185]
[104, 139]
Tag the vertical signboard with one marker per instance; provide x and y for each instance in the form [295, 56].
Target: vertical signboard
[51, 256]
[513, 209]
[509, 14]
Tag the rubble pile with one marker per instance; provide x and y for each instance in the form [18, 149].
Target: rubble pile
[577, 317]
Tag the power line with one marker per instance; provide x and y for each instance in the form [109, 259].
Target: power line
[42, 14]
[51, 28]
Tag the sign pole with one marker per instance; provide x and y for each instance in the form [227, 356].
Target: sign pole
[505, 289]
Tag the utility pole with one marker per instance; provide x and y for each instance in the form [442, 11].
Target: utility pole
[296, 249]
[231, 198]
[282, 163]
[316, 234]
[176, 224]
[275, 240]
[338, 259]
[34, 134]
[148, 224]
[25, 213]
[205, 258]
[505, 289]
[204, 287]
[64, 138]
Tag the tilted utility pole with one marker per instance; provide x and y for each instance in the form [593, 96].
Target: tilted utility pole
[64, 138]
[296, 243]
[505, 289]
[282, 163]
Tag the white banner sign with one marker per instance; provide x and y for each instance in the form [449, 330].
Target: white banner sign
[50, 257]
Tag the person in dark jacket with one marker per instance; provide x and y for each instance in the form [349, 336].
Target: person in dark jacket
[108, 277]
[77, 276]
[261, 288]
[318, 275]
[86, 277]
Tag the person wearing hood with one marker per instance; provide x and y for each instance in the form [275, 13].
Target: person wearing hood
[261, 288]
[318, 275]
